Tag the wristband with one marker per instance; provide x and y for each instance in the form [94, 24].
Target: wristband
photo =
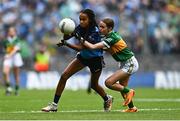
[82, 40]
[65, 43]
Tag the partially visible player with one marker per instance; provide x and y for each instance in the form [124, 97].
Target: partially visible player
[117, 47]
[93, 59]
[12, 59]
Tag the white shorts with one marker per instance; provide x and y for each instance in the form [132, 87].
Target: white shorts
[130, 66]
[14, 61]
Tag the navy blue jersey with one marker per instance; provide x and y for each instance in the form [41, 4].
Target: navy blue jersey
[92, 36]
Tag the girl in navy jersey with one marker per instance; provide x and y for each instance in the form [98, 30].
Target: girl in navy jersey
[93, 59]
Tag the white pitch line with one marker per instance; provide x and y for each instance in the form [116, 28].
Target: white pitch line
[91, 111]
[135, 99]
[157, 100]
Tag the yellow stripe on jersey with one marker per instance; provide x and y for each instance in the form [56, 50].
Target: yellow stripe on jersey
[9, 49]
[117, 47]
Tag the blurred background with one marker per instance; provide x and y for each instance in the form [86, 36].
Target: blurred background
[150, 27]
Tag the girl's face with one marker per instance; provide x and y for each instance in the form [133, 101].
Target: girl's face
[11, 32]
[103, 28]
[84, 20]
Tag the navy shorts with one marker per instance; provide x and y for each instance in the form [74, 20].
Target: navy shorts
[95, 64]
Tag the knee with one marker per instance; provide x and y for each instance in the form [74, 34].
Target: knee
[108, 84]
[6, 71]
[64, 77]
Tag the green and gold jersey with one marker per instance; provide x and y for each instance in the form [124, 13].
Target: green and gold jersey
[117, 47]
[9, 44]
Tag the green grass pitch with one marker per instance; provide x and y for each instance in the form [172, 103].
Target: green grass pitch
[78, 105]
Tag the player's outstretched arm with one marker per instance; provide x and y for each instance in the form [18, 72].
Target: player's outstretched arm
[77, 47]
[72, 46]
[88, 45]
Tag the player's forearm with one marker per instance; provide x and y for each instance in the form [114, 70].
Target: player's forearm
[13, 52]
[74, 47]
[88, 45]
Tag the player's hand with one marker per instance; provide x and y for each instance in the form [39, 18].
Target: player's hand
[61, 43]
[78, 36]
[67, 36]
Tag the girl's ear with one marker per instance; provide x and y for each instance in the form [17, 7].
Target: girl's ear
[109, 29]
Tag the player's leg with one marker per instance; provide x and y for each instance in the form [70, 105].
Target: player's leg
[89, 84]
[129, 67]
[7, 63]
[17, 63]
[111, 81]
[89, 87]
[17, 78]
[6, 76]
[96, 65]
[71, 69]
[111, 84]
[131, 107]
[95, 85]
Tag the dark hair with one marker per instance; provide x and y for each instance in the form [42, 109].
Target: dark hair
[109, 22]
[91, 15]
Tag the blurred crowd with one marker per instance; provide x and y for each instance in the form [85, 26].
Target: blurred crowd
[149, 26]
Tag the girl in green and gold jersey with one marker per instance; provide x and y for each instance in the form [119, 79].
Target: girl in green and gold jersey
[12, 59]
[116, 46]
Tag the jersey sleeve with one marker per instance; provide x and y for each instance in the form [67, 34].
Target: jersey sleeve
[108, 42]
[18, 46]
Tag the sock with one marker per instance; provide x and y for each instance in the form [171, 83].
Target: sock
[105, 97]
[7, 84]
[56, 98]
[131, 105]
[125, 90]
[17, 87]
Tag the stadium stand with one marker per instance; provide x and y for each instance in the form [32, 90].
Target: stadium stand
[151, 28]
